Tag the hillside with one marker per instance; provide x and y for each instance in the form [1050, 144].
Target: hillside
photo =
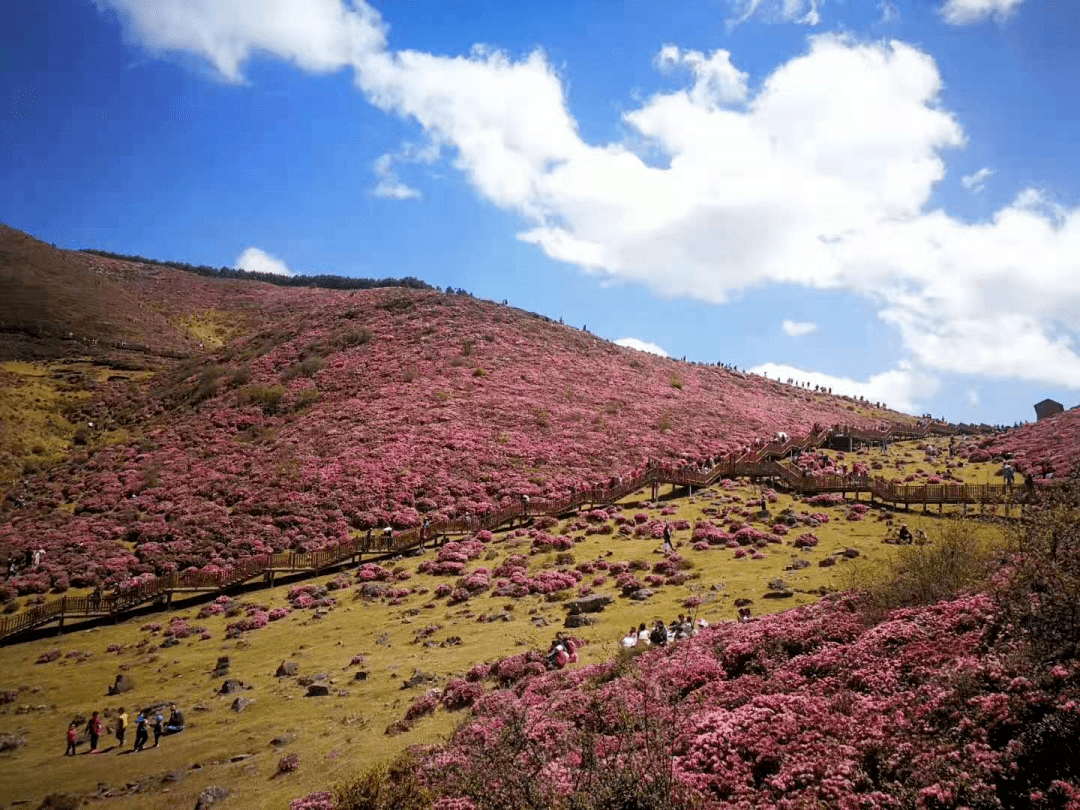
[351, 409]
[1049, 445]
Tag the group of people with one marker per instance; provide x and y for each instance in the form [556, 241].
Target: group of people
[145, 723]
[30, 559]
[661, 634]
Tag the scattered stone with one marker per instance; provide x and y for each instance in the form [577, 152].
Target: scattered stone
[211, 796]
[539, 621]
[342, 693]
[240, 757]
[576, 620]
[743, 602]
[60, 801]
[454, 641]
[778, 594]
[287, 669]
[123, 683]
[418, 678]
[308, 680]
[850, 553]
[240, 704]
[281, 740]
[778, 585]
[360, 676]
[318, 690]
[10, 741]
[798, 565]
[171, 641]
[221, 669]
[827, 562]
[200, 707]
[641, 594]
[230, 686]
[588, 604]
[383, 640]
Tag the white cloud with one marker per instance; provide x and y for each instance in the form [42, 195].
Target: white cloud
[967, 12]
[822, 177]
[902, 388]
[389, 186]
[806, 12]
[798, 328]
[716, 80]
[977, 181]
[972, 397]
[641, 346]
[889, 12]
[256, 261]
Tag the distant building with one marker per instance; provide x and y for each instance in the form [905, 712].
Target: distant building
[1047, 408]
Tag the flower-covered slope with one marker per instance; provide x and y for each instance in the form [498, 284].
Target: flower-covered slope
[812, 707]
[349, 409]
[1050, 445]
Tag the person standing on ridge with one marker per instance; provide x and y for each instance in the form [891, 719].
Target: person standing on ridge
[121, 727]
[94, 728]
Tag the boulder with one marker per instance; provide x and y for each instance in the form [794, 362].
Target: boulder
[318, 690]
[778, 594]
[360, 676]
[798, 565]
[60, 801]
[743, 602]
[230, 686]
[123, 683]
[641, 594]
[418, 678]
[281, 740]
[828, 561]
[171, 641]
[308, 680]
[850, 553]
[287, 669]
[221, 669]
[577, 620]
[593, 603]
[240, 704]
[211, 796]
[778, 585]
[10, 741]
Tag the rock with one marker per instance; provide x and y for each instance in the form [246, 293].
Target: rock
[318, 690]
[641, 594]
[123, 683]
[222, 667]
[539, 621]
[281, 740]
[828, 561]
[211, 796]
[200, 707]
[588, 604]
[778, 585]
[10, 741]
[850, 553]
[778, 594]
[171, 641]
[576, 620]
[360, 676]
[230, 686]
[60, 801]
[308, 680]
[418, 678]
[798, 565]
[240, 757]
[743, 602]
[240, 704]
[286, 669]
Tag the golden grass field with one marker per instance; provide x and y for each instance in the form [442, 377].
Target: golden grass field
[336, 736]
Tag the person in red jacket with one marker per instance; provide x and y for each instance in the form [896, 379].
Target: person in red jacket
[94, 729]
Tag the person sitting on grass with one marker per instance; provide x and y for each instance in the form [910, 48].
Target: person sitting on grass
[176, 721]
[631, 638]
[905, 534]
[643, 635]
[659, 634]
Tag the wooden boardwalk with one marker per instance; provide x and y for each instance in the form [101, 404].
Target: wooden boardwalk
[761, 462]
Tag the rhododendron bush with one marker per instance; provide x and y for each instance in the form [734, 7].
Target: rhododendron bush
[401, 427]
[814, 707]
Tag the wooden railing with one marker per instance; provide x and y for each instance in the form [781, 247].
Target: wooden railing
[755, 462]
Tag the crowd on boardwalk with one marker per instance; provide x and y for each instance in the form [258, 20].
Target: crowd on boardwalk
[147, 722]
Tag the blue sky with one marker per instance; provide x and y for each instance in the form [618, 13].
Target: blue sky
[881, 197]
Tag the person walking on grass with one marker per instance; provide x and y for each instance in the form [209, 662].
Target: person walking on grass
[159, 727]
[121, 727]
[668, 547]
[141, 734]
[72, 739]
[94, 728]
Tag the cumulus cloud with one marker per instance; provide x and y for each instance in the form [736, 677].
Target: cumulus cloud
[256, 261]
[641, 346]
[389, 186]
[806, 12]
[821, 177]
[798, 328]
[967, 12]
[889, 12]
[977, 180]
[902, 388]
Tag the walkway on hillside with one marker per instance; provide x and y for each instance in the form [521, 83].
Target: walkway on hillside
[757, 463]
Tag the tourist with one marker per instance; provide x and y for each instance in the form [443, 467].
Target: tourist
[631, 638]
[659, 634]
[121, 727]
[905, 534]
[38, 556]
[387, 536]
[668, 547]
[94, 728]
[176, 721]
[159, 727]
[141, 733]
[10, 567]
[643, 635]
[744, 615]
[72, 739]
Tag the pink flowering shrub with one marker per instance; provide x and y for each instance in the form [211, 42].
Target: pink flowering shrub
[278, 613]
[805, 540]
[323, 800]
[288, 763]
